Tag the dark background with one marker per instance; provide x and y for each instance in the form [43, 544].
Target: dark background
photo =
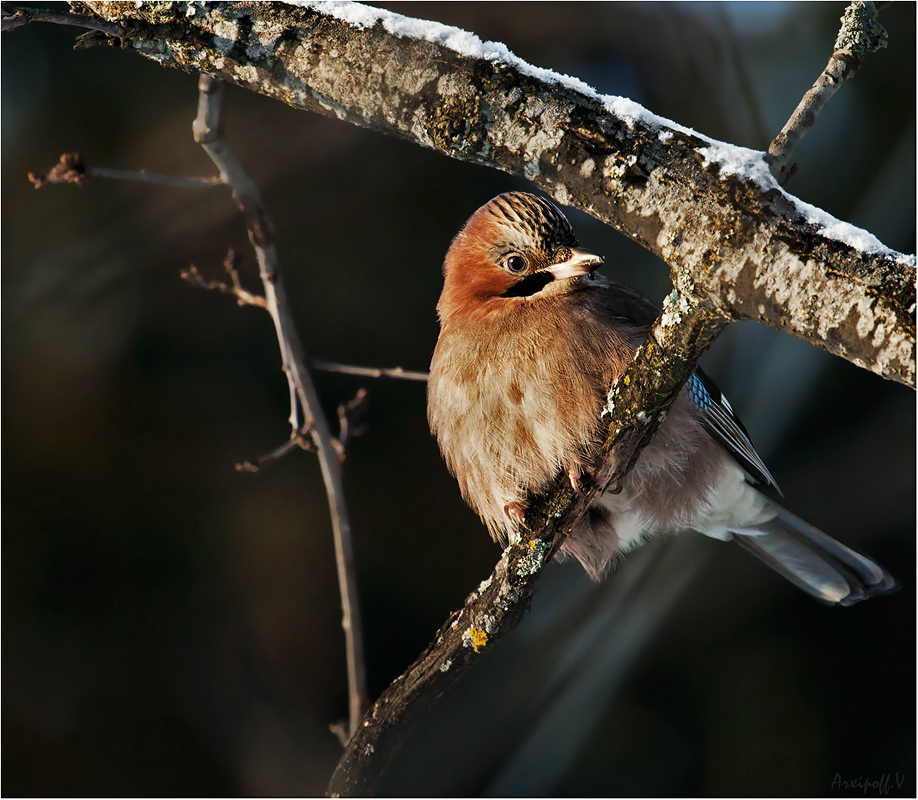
[171, 626]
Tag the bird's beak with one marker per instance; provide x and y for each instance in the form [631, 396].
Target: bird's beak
[580, 262]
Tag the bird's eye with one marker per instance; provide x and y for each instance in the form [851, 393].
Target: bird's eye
[516, 264]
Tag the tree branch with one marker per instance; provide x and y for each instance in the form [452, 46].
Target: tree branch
[368, 372]
[860, 33]
[733, 237]
[301, 440]
[235, 288]
[22, 16]
[71, 168]
[208, 133]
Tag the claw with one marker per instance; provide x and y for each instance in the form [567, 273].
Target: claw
[516, 512]
[573, 475]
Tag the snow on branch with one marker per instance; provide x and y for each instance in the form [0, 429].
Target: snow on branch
[735, 240]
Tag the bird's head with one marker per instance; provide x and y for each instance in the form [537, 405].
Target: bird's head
[515, 248]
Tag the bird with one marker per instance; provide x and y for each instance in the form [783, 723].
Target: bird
[531, 338]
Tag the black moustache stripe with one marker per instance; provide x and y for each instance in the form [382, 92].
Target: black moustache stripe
[530, 285]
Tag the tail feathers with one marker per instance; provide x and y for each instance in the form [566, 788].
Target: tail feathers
[814, 562]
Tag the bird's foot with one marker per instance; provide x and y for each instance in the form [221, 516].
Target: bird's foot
[516, 512]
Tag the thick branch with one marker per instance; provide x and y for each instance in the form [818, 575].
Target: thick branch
[735, 240]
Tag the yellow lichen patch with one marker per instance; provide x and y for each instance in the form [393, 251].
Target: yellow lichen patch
[478, 638]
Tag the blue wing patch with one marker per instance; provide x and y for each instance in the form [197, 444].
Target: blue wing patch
[718, 418]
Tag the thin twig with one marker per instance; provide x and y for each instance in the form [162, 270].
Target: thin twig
[367, 372]
[154, 177]
[301, 440]
[350, 421]
[231, 265]
[71, 168]
[243, 297]
[23, 16]
[208, 133]
[860, 33]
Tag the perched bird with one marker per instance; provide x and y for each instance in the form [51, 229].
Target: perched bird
[530, 340]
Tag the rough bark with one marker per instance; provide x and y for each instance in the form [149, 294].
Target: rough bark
[746, 250]
[860, 33]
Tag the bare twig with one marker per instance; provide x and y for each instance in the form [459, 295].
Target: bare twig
[367, 372]
[350, 420]
[72, 169]
[208, 133]
[340, 731]
[153, 177]
[23, 16]
[230, 264]
[69, 169]
[860, 33]
[301, 440]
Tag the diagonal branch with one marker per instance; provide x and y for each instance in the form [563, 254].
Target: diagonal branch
[637, 404]
[300, 440]
[860, 33]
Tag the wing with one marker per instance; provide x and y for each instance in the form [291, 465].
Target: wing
[718, 418]
[625, 303]
[716, 413]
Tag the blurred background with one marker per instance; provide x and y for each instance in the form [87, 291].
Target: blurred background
[172, 627]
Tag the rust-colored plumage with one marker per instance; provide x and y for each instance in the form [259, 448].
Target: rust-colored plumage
[531, 339]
